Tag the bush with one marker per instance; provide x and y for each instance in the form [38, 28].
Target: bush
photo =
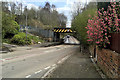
[35, 39]
[20, 39]
[9, 26]
[6, 41]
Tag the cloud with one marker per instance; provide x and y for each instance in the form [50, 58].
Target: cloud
[35, 0]
[11, 0]
[63, 9]
[29, 6]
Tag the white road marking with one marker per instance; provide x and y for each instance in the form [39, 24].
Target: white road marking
[28, 76]
[3, 59]
[54, 65]
[47, 67]
[59, 62]
[65, 58]
[38, 72]
[48, 72]
[49, 51]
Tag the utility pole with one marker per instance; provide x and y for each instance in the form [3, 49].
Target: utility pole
[21, 6]
[26, 23]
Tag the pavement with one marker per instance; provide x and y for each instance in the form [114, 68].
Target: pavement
[78, 65]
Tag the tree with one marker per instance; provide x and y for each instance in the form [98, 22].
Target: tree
[100, 27]
[53, 7]
[62, 20]
[47, 7]
[77, 9]
[21, 7]
[5, 7]
[31, 13]
[103, 5]
[80, 22]
[45, 17]
[9, 25]
[13, 8]
[49, 16]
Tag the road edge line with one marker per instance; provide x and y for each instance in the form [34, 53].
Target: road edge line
[47, 74]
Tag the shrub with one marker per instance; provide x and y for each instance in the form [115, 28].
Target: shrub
[6, 41]
[20, 39]
[35, 39]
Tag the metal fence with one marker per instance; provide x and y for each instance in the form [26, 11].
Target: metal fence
[41, 32]
[115, 42]
[45, 33]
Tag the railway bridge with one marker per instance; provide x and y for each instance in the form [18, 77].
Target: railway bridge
[67, 39]
[58, 31]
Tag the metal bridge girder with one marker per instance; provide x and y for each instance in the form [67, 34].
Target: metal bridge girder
[62, 30]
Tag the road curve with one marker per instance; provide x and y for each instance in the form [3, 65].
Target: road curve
[34, 63]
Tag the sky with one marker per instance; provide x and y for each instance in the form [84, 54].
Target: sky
[62, 6]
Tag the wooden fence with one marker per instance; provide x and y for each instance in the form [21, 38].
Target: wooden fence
[115, 42]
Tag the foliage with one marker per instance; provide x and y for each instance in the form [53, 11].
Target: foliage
[9, 25]
[46, 15]
[6, 41]
[21, 39]
[103, 5]
[5, 7]
[80, 22]
[95, 32]
[36, 39]
[100, 27]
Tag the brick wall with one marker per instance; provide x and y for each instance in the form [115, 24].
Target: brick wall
[109, 62]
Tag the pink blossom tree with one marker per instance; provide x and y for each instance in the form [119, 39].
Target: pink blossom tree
[100, 27]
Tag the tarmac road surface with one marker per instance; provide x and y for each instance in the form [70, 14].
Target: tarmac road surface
[33, 63]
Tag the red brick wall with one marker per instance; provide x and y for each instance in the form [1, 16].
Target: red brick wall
[109, 62]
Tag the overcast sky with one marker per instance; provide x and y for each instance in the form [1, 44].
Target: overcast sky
[63, 6]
